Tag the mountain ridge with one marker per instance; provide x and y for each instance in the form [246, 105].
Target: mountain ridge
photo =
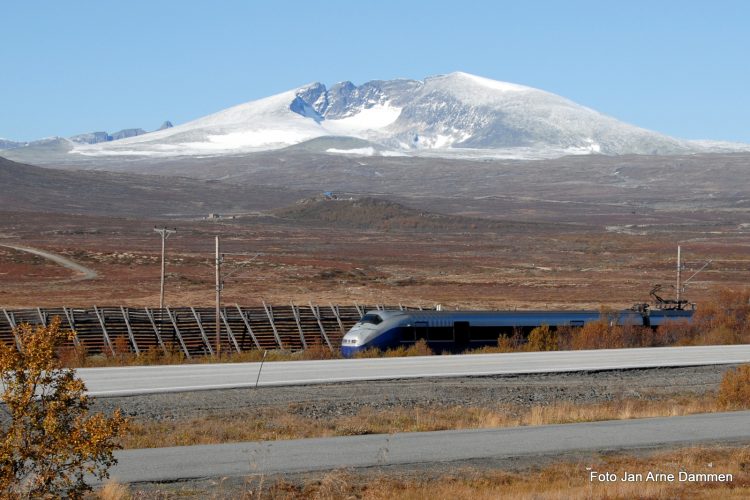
[453, 115]
[85, 138]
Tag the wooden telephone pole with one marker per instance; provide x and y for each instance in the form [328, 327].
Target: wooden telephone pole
[679, 274]
[218, 297]
[220, 286]
[164, 232]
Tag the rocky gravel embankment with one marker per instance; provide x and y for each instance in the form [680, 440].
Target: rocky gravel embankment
[341, 399]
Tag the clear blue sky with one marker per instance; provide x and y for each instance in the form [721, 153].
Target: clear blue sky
[678, 67]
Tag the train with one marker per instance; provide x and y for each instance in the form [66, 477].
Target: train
[457, 331]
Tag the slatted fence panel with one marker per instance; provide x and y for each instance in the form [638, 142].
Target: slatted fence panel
[192, 331]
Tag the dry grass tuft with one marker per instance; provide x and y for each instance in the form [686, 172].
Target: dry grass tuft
[114, 491]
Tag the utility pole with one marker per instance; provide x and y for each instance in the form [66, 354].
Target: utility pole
[218, 298]
[679, 275]
[164, 232]
[220, 285]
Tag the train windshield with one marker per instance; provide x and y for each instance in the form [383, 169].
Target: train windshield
[372, 319]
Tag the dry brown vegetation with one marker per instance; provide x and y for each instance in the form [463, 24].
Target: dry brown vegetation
[563, 480]
[528, 266]
[76, 357]
[275, 423]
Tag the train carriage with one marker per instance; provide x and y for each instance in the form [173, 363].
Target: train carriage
[460, 330]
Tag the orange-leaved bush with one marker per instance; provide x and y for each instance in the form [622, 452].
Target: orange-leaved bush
[49, 441]
[734, 391]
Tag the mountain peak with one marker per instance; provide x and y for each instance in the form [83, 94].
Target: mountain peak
[461, 78]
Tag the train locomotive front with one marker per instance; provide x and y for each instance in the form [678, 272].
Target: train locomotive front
[376, 329]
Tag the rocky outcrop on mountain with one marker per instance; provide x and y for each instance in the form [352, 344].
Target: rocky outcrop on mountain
[91, 138]
[8, 144]
[128, 132]
[99, 137]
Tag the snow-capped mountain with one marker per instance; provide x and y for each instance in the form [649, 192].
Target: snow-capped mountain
[455, 114]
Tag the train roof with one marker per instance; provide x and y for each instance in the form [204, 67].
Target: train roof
[397, 312]
[387, 313]
[391, 313]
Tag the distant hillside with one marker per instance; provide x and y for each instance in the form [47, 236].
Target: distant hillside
[27, 188]
[383, 215]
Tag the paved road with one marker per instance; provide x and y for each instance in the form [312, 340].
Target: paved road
[301, 455]
[85, 273]
[176, 378]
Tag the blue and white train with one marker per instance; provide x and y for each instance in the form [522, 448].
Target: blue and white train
[461, 330]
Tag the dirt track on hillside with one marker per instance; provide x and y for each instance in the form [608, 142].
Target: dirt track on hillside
[83, 272]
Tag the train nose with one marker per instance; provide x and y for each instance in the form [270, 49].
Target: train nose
[350, 344]
[349, 351]
[350, 347]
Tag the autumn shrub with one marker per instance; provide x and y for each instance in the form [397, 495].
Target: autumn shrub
[505, 344]
[49, 441]
[371, 352]
[396, 352]
[72, 356]
[675, 332]
[542, 338]
[122, 352]
[734, 391]
[318, 350]
[151, 356]
[419, 348]
[589, 336]
[629, 335]
[723, 320]
[512, 343]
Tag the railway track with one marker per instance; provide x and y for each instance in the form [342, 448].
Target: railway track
[192, 330]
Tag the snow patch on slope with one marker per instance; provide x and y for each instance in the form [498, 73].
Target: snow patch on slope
[490, 84]
[369, 151]
[376, 117]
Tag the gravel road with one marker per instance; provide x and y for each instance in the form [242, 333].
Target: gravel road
[330, 400]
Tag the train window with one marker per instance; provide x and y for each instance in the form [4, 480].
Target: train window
[440, 334]
[372, 319]
[484, 333]
[461, 331]
[421, 330]
[408, 334]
